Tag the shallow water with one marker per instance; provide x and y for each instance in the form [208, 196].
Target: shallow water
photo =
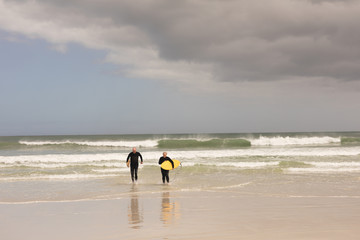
[71, 168]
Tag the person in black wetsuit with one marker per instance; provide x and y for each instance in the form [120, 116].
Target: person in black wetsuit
[133, 157]
[165, 173]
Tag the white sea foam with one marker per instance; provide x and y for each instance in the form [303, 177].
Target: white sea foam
[75, 176]
[327, 167]
[233, 186]
[152, 143]
[62, 158]
[127, 144]
[322, 170]
[64, 165]
[243, 164]
[230, 164]
[111, 170]
[193, 156]
[335, 164]
[74, 166]
[285, 141]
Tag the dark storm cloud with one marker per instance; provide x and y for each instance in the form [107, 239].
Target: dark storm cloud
[215, 65]
[241, 40]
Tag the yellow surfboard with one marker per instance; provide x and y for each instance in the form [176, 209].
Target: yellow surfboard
[167, 164]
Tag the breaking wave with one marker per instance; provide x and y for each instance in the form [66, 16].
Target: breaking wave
[126, 144]
[288, 141]
[214, 143]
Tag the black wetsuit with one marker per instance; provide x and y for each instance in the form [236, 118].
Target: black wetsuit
[165, 173]
[134, 164]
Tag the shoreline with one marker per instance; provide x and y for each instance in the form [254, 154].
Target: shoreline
[185, 215]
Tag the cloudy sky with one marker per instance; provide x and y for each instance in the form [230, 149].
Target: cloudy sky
[196, 66]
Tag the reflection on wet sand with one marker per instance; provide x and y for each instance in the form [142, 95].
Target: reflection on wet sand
[135, 215]
[170, 211]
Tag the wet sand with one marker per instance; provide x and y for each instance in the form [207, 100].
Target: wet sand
[169, 214]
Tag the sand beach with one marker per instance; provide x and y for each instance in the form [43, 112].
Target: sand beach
[166, 213]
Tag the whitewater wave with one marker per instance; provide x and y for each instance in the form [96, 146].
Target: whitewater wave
[126, 144]
[289, 141]
[335, 164]
[242, 164]
[322, 170]
[78, 171]
[214, 143]
[210, 143]
[75, 176]
[195, 156]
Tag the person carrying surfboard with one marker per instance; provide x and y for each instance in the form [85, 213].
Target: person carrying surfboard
[133, 160]
[165, 173]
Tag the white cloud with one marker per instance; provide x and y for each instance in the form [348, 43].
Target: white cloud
[61, 48]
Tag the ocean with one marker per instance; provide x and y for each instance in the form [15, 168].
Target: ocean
[73, 168]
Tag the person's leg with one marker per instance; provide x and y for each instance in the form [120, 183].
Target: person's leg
[163, 174]
[132, 172]
[136, 171]
[167, 177]
[166, 174]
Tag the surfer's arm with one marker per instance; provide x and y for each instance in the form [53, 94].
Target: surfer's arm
[128, 157]
[141, 158]
[172, 163]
